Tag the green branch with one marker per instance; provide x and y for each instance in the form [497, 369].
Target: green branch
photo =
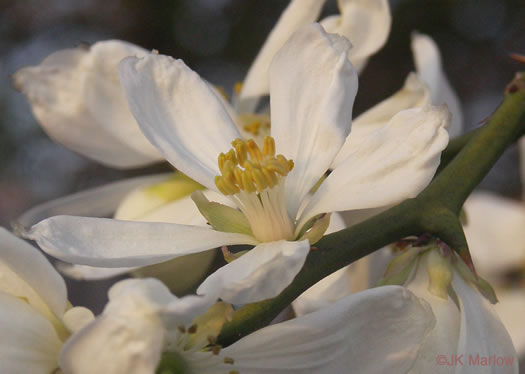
[434, 211]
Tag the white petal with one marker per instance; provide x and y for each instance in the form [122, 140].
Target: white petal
[150, 297]
[28, 343]
[353, 333]
[260, 274]
[105, 98]
[359, 276]
[428, 64]
[482, 332]
[112, 243]
[511, 309]
[25, 272]
[394, 163]
[313, 87]
[179, 113]
[366, 23]
[443, 339]
[414, 94]
[297, 14]
[325, 292]
[494, 231]
[97, 202]
[84, 272]
[114, 345]
[77, 318]
[56, 91]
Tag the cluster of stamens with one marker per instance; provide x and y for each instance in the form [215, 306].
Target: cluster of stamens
[246, 167]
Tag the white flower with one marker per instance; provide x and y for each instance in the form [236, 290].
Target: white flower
[494, 230]
[75, 92]
[467, 325]
[428, 85]
[313, 87]
[35, 318]
[376, 331]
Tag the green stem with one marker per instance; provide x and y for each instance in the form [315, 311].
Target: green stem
[434, 211]
[455, 183]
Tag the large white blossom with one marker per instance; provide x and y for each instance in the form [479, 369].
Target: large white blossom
[143, 323]
[313, 86]
[35, 318]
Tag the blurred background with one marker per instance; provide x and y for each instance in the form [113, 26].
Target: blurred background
[219, 39]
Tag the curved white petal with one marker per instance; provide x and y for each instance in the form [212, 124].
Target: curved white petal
[511, 309]
[353, 334]
[414, 94]
[325, 292]
[297, 14]
[114, 345]
[313, 86]
[56, 90]
[179, 113]
[98, 202]
[366, 23]
[443, 339]
[494, 231]
[429, 69]
[482, 332]
[105, 98]
[25, 272]
[394, 163]
[260, 274]
[113, 243]
[28, 342]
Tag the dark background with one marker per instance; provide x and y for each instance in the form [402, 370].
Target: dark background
[219, 39]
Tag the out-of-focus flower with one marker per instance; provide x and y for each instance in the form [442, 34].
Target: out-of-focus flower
[76, 96]
[276, 211]
[494, 230]
[143, 326]
[35, 316]
[467, 326]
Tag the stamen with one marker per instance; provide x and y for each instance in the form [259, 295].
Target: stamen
[246, 167]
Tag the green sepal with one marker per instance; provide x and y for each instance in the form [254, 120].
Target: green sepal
[221, 217]
[318, 227]
[481, 284]
[175, 188]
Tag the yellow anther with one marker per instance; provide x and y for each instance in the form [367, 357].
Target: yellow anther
[237, 88]
[259, 179]
[245, 167]
[268, 146]
[255, 151]
[253, 127]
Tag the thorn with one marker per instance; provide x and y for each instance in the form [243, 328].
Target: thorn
[518, 57]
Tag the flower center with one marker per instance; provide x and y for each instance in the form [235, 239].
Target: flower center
[255, 179]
